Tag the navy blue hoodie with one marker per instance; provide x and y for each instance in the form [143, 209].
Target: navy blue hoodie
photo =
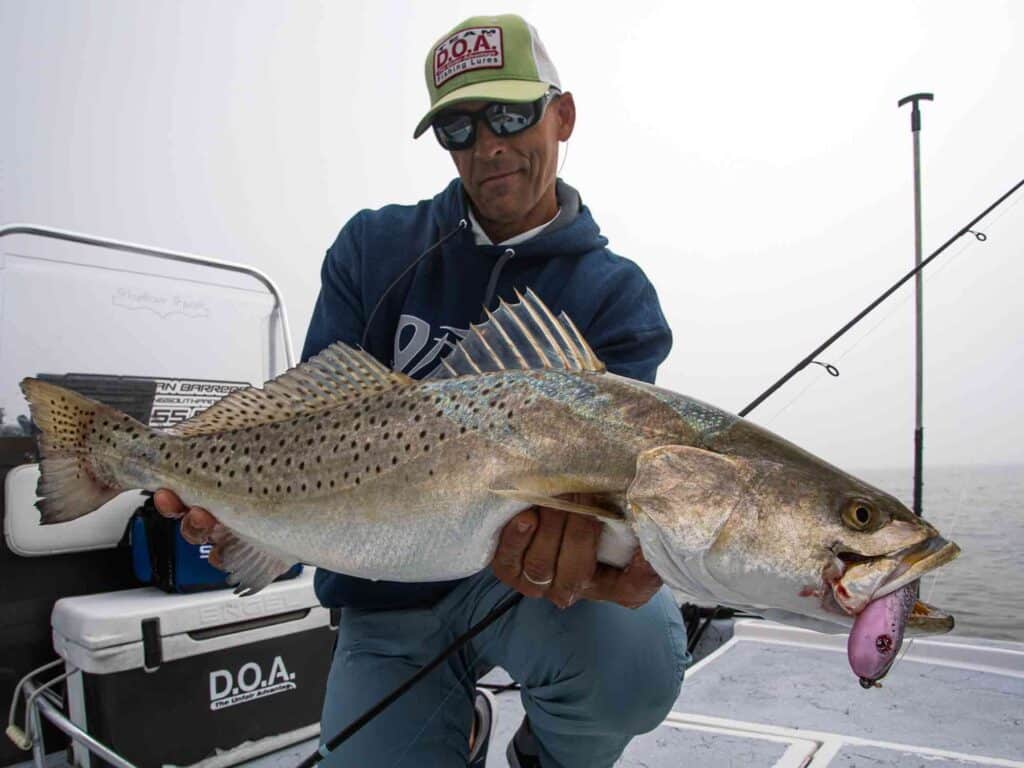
[427, 311]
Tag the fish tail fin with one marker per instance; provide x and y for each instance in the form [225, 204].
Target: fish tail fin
[73, 481]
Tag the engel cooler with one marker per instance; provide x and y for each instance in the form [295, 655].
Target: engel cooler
[179, 679]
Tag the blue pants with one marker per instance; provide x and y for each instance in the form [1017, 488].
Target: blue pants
[592, 676]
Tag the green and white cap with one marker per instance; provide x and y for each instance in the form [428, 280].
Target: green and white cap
[493, 58]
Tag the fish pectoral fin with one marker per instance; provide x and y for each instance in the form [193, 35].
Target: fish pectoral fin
[250, 566]
[553, 502]
[688, 493]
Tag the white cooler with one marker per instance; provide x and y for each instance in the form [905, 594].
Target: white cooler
[178, 679]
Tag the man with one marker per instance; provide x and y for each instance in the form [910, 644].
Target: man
[599, 652]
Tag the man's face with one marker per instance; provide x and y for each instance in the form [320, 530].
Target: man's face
[509, 177]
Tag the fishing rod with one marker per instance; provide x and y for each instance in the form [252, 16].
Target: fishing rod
[512, 600]
[966, 229]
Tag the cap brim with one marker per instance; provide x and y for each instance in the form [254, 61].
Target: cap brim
[491, 90]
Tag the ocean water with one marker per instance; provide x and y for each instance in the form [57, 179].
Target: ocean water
[981, 508]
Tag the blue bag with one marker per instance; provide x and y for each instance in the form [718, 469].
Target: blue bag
[162, 558]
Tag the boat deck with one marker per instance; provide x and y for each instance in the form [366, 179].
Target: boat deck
[763, 694]
[777, 696]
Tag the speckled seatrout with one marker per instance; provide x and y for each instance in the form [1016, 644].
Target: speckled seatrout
[344, 464]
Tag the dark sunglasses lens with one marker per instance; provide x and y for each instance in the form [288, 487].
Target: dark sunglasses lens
[454, 131]
[506, 119]
[457, 130]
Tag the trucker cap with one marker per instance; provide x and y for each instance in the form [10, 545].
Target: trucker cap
[491, 58]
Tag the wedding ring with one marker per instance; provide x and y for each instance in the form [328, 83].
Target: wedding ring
[539, 584]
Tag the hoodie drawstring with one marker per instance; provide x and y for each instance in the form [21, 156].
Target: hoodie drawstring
[492, 283]
[463, 224]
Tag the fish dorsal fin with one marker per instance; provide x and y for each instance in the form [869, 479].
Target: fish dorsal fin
[521, 336]
[338, 374]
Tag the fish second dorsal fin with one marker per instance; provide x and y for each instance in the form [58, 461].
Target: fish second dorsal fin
[521, 336]
[338, 374]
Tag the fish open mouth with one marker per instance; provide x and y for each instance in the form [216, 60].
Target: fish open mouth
[859, 580]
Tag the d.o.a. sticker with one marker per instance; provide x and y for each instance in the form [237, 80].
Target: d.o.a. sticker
[466, 50]
[248, 683]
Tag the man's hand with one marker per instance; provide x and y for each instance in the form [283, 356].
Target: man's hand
[196, 523]
[553, 554]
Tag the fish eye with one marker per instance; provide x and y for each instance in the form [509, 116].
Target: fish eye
[859, 514]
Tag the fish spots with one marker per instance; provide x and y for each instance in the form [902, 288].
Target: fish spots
[369, 434]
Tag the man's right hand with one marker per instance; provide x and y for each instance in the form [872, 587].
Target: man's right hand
[196, 523]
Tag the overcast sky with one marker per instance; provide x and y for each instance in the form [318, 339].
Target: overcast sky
[748, 155]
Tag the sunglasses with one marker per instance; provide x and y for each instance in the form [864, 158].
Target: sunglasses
[457, 130]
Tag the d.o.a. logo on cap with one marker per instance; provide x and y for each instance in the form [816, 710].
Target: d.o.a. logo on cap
[466, 50]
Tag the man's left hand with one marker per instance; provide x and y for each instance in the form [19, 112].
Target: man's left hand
[552, 554]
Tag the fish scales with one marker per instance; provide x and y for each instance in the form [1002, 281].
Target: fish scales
[346, 465]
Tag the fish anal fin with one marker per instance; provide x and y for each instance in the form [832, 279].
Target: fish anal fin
[339, 373]
[250, 566]
[525, 335]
